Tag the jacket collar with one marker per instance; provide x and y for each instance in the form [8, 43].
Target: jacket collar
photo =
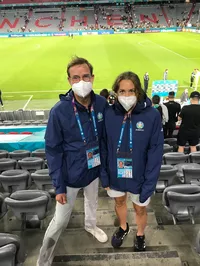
[140, 106]
[70, 95]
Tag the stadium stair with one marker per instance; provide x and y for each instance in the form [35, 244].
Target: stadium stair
[191, 12]
[167, 244]
[165, 14]
[62, 20]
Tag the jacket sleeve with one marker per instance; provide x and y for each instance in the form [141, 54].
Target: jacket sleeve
[104, 176]
[54, 152]
[154, 160]
[165, 113]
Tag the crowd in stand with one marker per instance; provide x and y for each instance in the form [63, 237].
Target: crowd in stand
[129, 19]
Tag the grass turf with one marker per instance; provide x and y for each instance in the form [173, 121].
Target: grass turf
[37, 66]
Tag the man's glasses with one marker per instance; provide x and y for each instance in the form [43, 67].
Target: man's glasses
[77, 78]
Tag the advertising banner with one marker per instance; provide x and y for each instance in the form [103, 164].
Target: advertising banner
[163, 87]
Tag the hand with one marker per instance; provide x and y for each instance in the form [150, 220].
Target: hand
[107, 188]
[61, 198]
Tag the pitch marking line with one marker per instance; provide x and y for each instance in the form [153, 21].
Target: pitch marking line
[31, 96]
[19, 92]
[171, 51]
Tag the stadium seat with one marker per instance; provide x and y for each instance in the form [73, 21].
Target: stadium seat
[13, 133]
[43, 181]
[191, 175]
[167, 148]
[7, 123]
[3, 208]
[29, 205]
[3, 154]
[172, 142]
[198, 147]
[31, 163]
[19, 154]
[17, 123]
[39, 153]
[166, 177]
[12, 252]
[195, 157]
[7, 164]
[182, 201]
[13, 180]
[174, 158]
[182, 166]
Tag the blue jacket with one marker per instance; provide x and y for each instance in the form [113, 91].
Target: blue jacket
[65, 149]
[147, 149]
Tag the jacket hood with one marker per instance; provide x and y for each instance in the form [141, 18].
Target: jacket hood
[140, 106]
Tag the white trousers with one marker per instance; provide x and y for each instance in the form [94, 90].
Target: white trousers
[62, 216]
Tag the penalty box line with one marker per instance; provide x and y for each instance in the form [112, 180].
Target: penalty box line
[31, 96]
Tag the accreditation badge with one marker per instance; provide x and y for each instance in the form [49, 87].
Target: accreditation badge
[93, 155]
[124, 165]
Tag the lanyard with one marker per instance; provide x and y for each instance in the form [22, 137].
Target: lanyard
[122, 133]
[79, 121]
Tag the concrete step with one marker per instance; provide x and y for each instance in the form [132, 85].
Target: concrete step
[155, 258]
[74, 243]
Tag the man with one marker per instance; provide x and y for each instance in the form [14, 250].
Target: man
[1, 102]
[184, 97]
[104, 93]
[146, 82]
[165, 75]
[74, 129]
[190, 125]
[192, 78]
[174, 109]
[197, 75]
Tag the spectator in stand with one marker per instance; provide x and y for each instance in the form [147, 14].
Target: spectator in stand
[174, 109]
[146, 82]
[1, 101]
[156, 104]
[184, 96]
[197, 75]
[161, 108]
[165, 74]
[104, 93]
[192, 78]
[190, 126]
[133, 135]
[76, 121]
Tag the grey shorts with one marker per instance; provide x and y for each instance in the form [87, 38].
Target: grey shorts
[134, 197]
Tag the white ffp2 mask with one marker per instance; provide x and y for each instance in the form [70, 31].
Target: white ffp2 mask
[82, 88]
[127, 102]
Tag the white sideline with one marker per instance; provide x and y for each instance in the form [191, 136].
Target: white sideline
[31, 96]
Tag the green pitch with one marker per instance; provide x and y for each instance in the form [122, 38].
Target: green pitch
[33, 70]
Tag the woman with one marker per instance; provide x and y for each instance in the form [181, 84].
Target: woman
[134, 137]
[156, 104]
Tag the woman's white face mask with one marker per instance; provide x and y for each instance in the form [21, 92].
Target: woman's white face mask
[82, 88]
[127, 102]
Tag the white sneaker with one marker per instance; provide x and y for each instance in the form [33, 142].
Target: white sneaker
[97, 233]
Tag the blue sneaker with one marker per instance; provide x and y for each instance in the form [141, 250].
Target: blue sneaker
[119, 235]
